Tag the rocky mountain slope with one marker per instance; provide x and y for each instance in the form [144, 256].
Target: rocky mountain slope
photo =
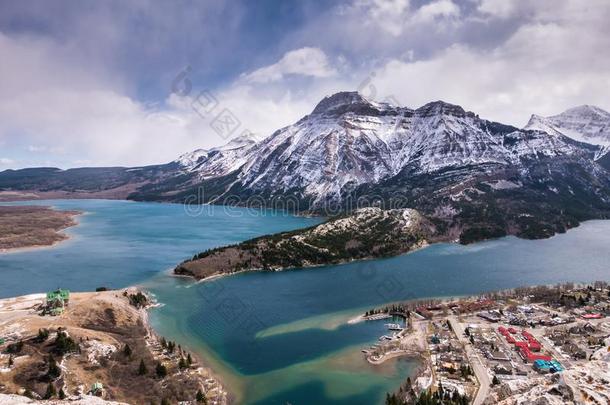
[472, 177]
[348, 141]
[217, 161]
[366, 233]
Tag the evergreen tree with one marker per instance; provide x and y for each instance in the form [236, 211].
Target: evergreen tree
[161, 370]
[50, 391]
[201, 397]
[127, 351]
[142, 368]
[54, 371]
[189, 360]
[64, 344]
[43, 334]
[182, 363]
[62, 394]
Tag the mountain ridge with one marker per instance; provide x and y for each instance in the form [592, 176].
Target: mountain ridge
[349, 152]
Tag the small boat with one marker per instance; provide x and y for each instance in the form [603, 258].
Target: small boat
[394, 326]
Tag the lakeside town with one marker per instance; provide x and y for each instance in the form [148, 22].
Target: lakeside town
[542, 345]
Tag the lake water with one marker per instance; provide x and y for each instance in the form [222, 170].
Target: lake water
[278, 338]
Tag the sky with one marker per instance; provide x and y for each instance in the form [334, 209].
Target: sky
[116, 83]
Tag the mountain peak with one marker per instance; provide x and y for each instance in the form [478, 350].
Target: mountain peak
[585, 123]
[441, 107]
[586, 110]
[540, 123]
[238, 142]
[342, 102]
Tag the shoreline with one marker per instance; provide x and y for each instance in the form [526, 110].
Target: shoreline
[213, 277]
[24, 249]
[200, 358]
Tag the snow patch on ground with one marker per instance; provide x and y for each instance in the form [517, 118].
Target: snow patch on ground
[97, 350]
[503, 184]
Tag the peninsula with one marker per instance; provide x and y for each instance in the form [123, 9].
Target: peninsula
[367, 233]
[33, 226]
[92, 348]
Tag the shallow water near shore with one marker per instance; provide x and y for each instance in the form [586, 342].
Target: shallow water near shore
[283, 337]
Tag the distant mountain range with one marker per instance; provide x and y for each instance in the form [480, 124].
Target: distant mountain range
[586, 123]
[471, 177]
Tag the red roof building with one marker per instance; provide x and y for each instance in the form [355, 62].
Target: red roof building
[526, 347]
[535, 346]
[528, 356]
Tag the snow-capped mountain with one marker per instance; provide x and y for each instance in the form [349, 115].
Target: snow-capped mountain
[348, 141]
[218, 161]
[472, 177]
[586, 123]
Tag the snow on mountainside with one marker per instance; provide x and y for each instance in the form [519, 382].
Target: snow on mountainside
[475, 179]
[586, 123]
[348, 141]
[220, 160]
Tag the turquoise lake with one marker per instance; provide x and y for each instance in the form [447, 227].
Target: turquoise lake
[278, 338]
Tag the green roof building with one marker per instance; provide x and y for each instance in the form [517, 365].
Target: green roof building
[56, 301]
[60, 293]
[97, 388]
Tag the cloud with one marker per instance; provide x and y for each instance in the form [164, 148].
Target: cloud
[437, 9]
[51, 106]
[390, 15]
[65, 102]
[305, 61]
[498, 8]
[542, 68]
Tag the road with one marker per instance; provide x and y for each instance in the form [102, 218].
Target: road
[475, 362]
